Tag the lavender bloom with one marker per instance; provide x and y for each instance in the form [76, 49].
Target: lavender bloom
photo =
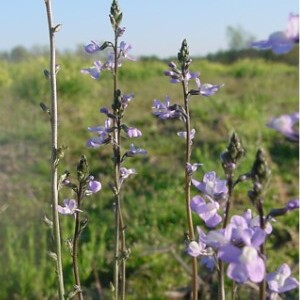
[135, 151]
[282, 42]
[238, 245]
[280, 281]
[244, 263]
[133, 132]
[126, 98]
[103, 135]
[192, 168]
[212, 185]
[125, 173]
[208, 212]
[165, 110]
[284, 124]
[93, 186]
[120, 31]
[124, 49]
[254, 223]
[92, 47]
[292, 204]
[194, 248]
[182, 134]
[205, 89]
[69, 208]
[94, 71]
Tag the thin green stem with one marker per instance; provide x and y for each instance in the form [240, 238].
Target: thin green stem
[262, 285]
[75, 247]
[120, 246]
[221, 284]
[188, 188]
[54, 159]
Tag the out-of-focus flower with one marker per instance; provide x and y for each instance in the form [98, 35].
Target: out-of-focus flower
[182, 134]
[212, 185]
[94, 71]
[125, 173]
[280, 281]
[285, 125]
[133, 132]
[135, 151]
[282, 42]
[208, 212]
[292, 204]
[124, 49]
[126, 98]
[69, 208]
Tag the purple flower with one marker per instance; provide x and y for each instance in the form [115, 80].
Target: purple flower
[292, 204]
[133, 132]
[208, 212]
[92, 47]
[194, 248]
[255, 222]
[212, 185]
[182, 134]
[135, 151]
[192, 168]
[244, 263]
[120, 31]
[292, 29]
[165, 110]
[280, 281]
[205, 89]
[126, 98]
[124, 49]
[69, 208]
[125, 173]
[282, 42]
[103, 135]
[94, 71]
[285, 125]
[93, 186]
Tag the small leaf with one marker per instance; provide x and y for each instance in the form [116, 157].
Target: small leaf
[52, 255]
[57, 28]
[48, 221]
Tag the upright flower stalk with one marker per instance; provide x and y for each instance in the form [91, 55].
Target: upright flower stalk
[165, 110]
[110, 133]
[184, 59]
[55, 151]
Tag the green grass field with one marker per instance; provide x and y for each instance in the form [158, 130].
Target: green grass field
[255, 90]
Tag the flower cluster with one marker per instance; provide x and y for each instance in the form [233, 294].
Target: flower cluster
[282, 42]
[109, 64]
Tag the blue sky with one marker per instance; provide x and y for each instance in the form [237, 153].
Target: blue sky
[153, 27]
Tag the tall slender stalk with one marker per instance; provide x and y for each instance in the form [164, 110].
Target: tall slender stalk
[75, 245]
[54, 152]
[188, 188]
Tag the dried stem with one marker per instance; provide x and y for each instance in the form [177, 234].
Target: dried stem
[54, 158]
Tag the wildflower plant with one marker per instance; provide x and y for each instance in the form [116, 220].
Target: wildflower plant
[237, 241]
[181, 74]
[110, 133]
